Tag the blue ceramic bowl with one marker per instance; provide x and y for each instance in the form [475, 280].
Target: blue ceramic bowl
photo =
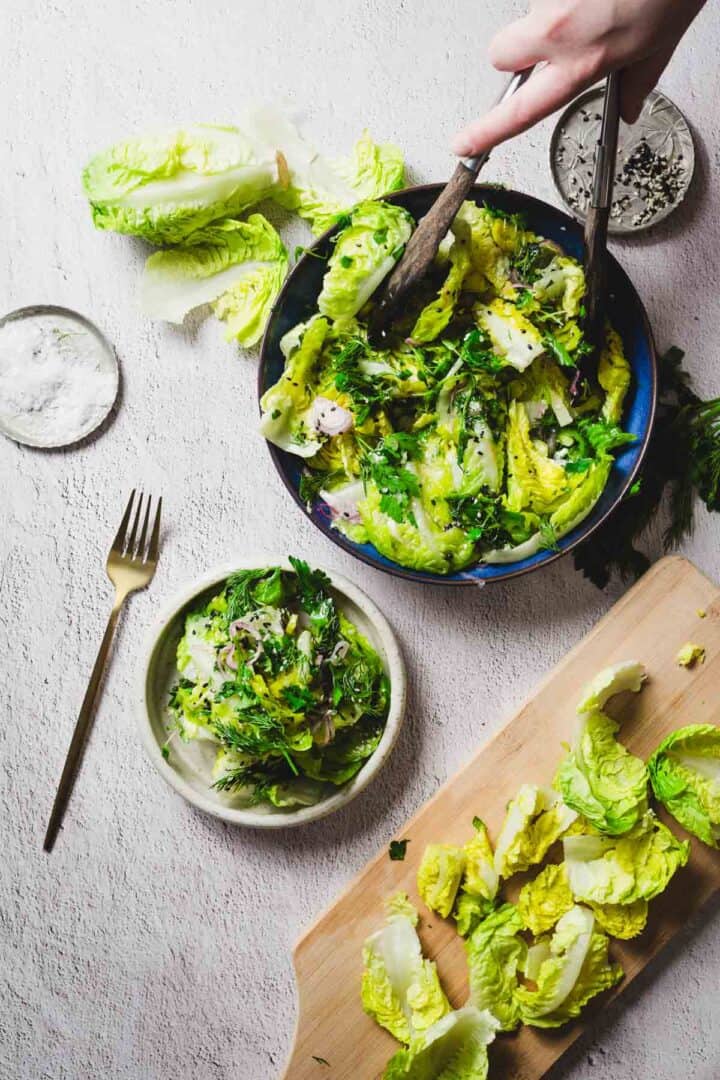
[298, 301]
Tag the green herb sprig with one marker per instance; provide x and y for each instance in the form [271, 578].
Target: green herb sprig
[386, 466]
[682, 463]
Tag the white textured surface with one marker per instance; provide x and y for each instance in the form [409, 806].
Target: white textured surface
[155, 942]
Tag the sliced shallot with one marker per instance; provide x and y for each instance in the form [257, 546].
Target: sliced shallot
[324, 730]
[339, 652]
[330, 418]
[226, 657]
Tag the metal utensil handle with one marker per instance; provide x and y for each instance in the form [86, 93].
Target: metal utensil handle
[475, 164]
[606, 149]
[596, 230]
[82, 727]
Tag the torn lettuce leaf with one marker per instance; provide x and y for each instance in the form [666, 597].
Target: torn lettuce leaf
[479, 887]
[400, 988]
[561, 282]
[164, 187]
[614, 375]
[543, 900]
[365, 251]
[399, 904]
[484, 236]
[436, 315]
[439, 876]
[238, 266]
[548, 896]
[470, 910]
[319, 189]
[420, 543]
[455, 1048]
[623, 921]
[544, 382]
[620, 870]
[685, 777]
[581, 500]
[572, 968]
[481, 877]
[615, 679]
[601, 779]
[286, 405]
[535, 819]
[513, 337]
[496, 953]
[535, 481]
[690, 654]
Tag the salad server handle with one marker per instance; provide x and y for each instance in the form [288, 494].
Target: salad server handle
[425, 241]
[596, 230]
[82, 728]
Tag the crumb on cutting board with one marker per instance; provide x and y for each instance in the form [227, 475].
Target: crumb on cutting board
[701, 613]
[690, 654]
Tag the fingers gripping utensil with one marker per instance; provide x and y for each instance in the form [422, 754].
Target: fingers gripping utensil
[596, 232]
[130, 566]
[425, 241]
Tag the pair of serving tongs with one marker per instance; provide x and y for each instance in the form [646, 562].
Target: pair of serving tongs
[425, 241]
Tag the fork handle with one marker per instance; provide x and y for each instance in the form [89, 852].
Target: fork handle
[82, 727]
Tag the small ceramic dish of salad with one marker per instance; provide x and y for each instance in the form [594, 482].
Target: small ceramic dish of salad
[273, 693]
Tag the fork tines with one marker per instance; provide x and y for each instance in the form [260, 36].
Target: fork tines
[125, 545]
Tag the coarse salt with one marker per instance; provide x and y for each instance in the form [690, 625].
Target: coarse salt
[57, 379]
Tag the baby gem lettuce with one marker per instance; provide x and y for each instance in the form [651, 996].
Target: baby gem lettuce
[184, 190]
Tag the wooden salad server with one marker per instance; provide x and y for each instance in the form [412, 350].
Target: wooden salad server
[425, 241]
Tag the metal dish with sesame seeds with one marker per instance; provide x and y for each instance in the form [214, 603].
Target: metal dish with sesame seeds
[655, 161]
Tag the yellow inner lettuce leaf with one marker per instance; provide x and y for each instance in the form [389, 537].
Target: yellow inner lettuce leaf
[439, 876]
[536, 818]
[400, 988]
[620, 870]
[548, 896]
[575, 968]
[544, 899]
[454, 1048]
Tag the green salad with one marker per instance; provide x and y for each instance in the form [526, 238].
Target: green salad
[283, 683]
[458, 442]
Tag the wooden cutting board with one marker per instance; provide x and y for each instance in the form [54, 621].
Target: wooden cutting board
[649, 624]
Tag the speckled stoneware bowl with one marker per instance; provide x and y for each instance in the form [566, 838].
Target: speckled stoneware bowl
[298, 301]
[189, 766]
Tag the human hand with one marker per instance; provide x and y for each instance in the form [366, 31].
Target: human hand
[579, 41]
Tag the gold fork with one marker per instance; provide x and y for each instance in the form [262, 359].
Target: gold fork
[130, 567]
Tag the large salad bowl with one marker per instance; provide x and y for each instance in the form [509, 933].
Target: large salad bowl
[298, 301]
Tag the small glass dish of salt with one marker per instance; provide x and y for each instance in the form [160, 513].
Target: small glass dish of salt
[58, 376]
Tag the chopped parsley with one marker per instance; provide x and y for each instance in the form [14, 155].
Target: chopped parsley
[386, 465]
[397, 850]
